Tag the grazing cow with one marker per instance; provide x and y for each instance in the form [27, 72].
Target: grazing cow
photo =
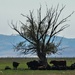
[58, 63]
[15, 65]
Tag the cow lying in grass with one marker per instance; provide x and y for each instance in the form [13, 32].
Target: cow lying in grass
[72, 66]
[7, 68]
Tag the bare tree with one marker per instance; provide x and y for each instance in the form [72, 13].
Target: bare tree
[40, 33]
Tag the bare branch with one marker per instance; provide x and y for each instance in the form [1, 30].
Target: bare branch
[21, 34]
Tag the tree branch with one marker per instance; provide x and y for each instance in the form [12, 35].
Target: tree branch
[21, 34]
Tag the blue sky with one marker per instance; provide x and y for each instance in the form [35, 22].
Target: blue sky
[12, 9]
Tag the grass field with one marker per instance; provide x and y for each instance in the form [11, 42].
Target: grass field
[23, 69]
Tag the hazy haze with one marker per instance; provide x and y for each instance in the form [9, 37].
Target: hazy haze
[12, 9]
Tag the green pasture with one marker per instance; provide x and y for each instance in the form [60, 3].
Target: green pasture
[23, 69]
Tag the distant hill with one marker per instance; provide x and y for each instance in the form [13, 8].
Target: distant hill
[7, 41]
[6, 45]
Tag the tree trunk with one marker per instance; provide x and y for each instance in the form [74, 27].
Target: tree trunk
[42, 56]
[43, 59]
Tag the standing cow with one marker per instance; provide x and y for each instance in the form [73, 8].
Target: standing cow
[15, 65]
[59, 64]
[33, 65]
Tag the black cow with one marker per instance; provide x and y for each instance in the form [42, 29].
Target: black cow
[72, 66]
[58, 63]
[42, 67]
[33, 64]
[7, 68]
[15, 65]
[37, 65]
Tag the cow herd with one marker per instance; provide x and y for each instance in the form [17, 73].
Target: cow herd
[37, 65]
[55, 65]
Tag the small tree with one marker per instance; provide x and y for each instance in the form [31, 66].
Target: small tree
[40, 33]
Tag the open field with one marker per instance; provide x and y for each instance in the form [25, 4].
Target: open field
[23, 69]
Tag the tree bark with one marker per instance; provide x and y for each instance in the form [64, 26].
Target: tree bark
[43, 59]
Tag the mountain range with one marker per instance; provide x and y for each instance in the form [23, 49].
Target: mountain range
[7, 42]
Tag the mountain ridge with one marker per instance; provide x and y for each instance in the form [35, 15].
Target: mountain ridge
[6, 47]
